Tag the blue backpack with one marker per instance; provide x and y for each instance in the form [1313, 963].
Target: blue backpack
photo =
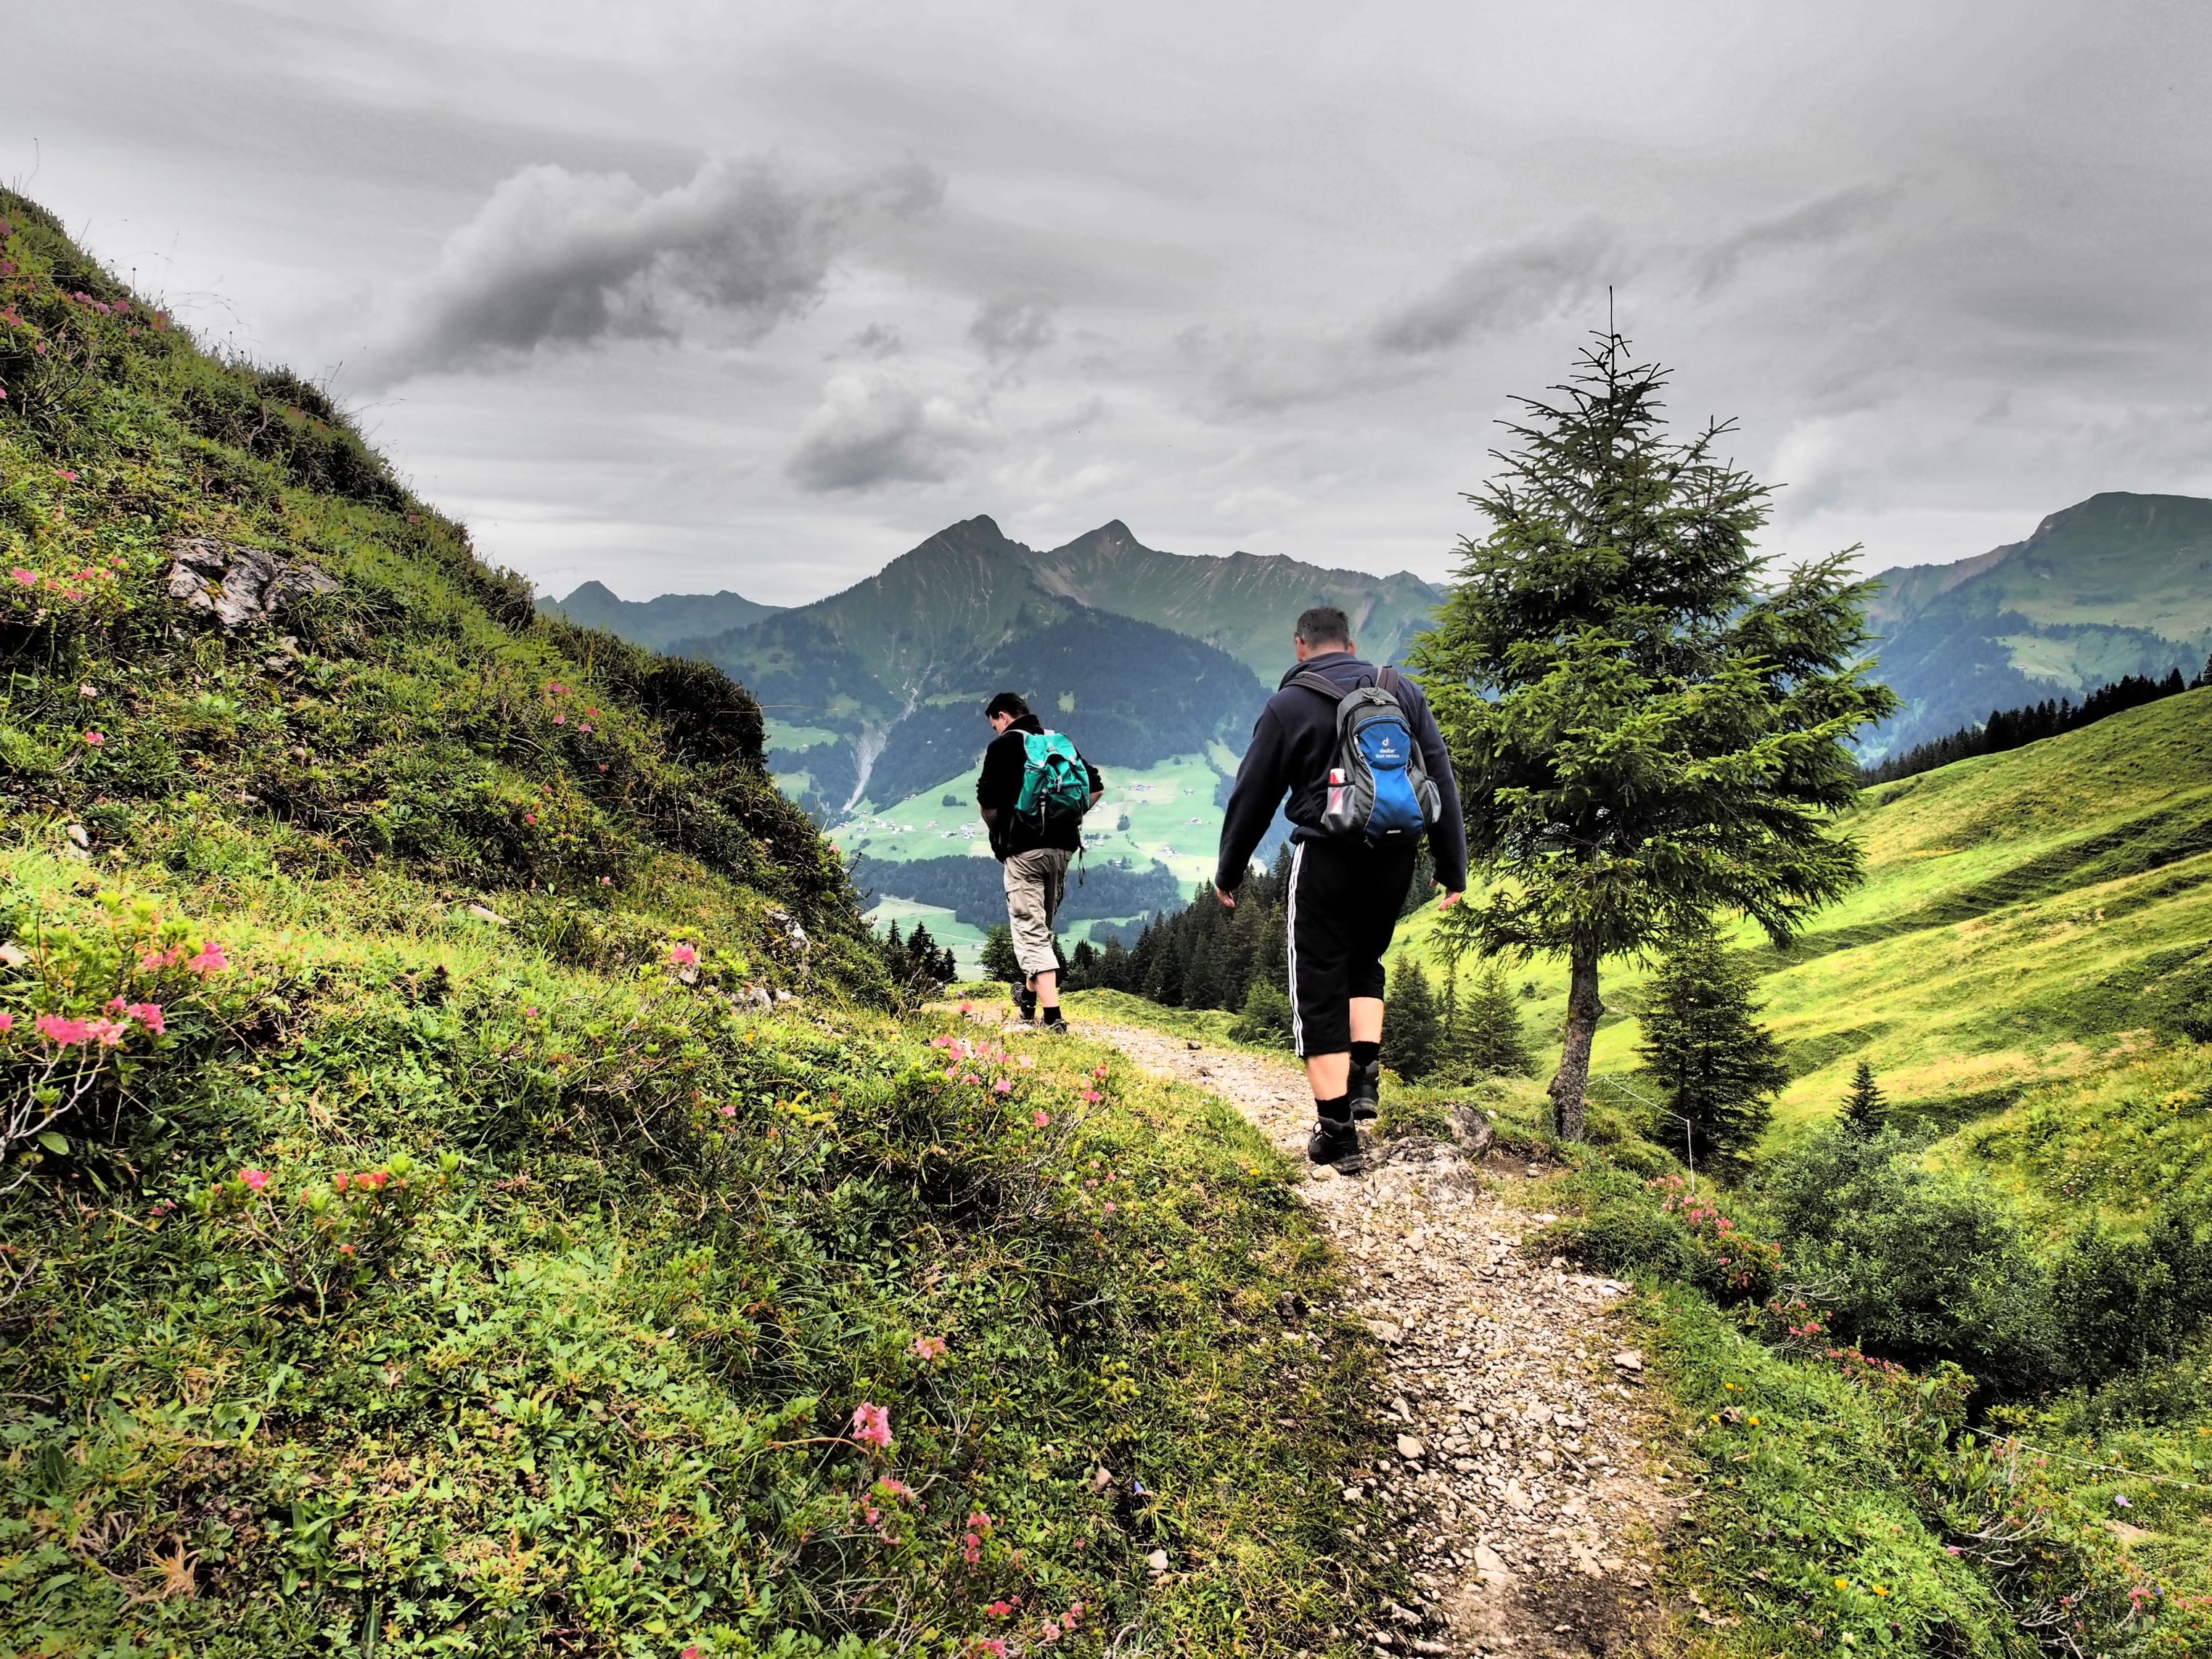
[1378, 790]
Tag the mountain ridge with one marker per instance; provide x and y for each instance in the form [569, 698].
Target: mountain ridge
[660, 622]
[2117, 584]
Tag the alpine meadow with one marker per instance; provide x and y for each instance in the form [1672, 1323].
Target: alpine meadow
[527, 1129]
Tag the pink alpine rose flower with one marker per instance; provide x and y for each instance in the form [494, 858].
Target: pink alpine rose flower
[67, 1033]
[254, 1179]
[96, 739]
[1043, 1118]
[872, 1425]
[683, 956]
[929, 1347]
[210, 960]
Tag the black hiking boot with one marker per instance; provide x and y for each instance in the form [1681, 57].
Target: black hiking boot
[1025, 1005]
[1051, 1020]
[1366, 1089]
[1333, 1142]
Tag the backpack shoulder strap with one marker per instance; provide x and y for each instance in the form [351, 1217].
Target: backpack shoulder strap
[1321, 682]
[1390, 679]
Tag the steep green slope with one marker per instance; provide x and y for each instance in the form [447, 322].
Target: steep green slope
[464, 1185]
[2034, 936]
[2119, 584]
[657, 623]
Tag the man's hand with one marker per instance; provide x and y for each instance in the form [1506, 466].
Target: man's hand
[1228, 899]
[1449, 899]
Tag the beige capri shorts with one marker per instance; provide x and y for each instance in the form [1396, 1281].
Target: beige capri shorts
[1036, 881]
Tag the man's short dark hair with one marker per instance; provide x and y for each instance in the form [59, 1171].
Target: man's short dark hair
[1011, 703]
[1324, 625]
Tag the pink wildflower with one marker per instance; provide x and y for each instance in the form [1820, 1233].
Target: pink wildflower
[149, 1014]
[991, 1646]
[560, 718]
[1051, 1630]
[1074, 1612]
[64, 474]
[66, 1032]
[210, 960]
[95, 739]
[1101, 1072]
[153, 961]
[729, 1111]
[255, 1179]
[556, 688]
[530, 818]
[1005, 1085]
[999, 1610]
[683, 955]
[1043, 1118]
[341, 1180]
[530, 1011]
[872, 1425]
[1029, 1063]
[26, 578]
[7, 1024]
[971, 1077]
[929, 1347]
[1110, 1206]
[107, 1033]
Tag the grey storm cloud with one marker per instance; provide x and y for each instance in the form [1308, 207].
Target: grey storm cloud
[1012, 327]
[556, 258]
[870, 430]
[1508, 288]
[1821, 222]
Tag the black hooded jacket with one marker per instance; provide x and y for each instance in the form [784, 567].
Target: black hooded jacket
[999, 786]
[1294, 744]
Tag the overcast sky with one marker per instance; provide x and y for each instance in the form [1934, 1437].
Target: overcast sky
[686, 296]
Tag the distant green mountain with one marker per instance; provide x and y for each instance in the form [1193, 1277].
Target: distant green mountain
[2120, 584]
[658, 623]
[875, 692]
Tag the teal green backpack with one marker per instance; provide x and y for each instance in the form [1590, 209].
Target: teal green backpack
[1055, 783]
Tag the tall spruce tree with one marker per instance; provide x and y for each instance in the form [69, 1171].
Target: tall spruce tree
[1704, 1046]
[1645, 735]
[1864, 1105]
[1412, 1035]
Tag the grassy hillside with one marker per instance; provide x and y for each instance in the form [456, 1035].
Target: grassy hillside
[2034, 928]
[466, 1187]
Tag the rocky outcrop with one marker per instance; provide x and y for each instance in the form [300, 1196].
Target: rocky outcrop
[237, 585]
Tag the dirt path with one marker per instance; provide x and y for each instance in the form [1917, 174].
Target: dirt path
[1525, 1499]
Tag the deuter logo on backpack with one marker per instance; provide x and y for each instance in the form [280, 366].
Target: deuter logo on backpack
[1056, 782]
[1378, 790]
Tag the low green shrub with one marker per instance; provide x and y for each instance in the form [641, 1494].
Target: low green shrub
[1918, 1266]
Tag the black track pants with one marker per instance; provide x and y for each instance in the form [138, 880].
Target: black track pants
[1345, 899]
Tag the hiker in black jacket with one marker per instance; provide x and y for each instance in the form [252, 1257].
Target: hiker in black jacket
[1035, 848]
[1344, 894]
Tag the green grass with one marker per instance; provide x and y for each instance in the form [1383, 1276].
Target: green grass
[579, 1366]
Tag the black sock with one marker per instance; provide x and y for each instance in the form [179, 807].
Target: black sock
[1337, 1111]
[1365, 1053]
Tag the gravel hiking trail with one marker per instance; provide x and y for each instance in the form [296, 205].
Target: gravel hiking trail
[1529, 1491]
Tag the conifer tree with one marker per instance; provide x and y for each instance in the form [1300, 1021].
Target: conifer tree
[1000, 962]
[1645, 735]
[1864, 1105]
[1703, 1045]
[1486, 1040]
[1412, 1034]
[1266, 1016]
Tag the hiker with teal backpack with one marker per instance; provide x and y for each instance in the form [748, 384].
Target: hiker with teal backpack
[1358, 752]
[1033, 790]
